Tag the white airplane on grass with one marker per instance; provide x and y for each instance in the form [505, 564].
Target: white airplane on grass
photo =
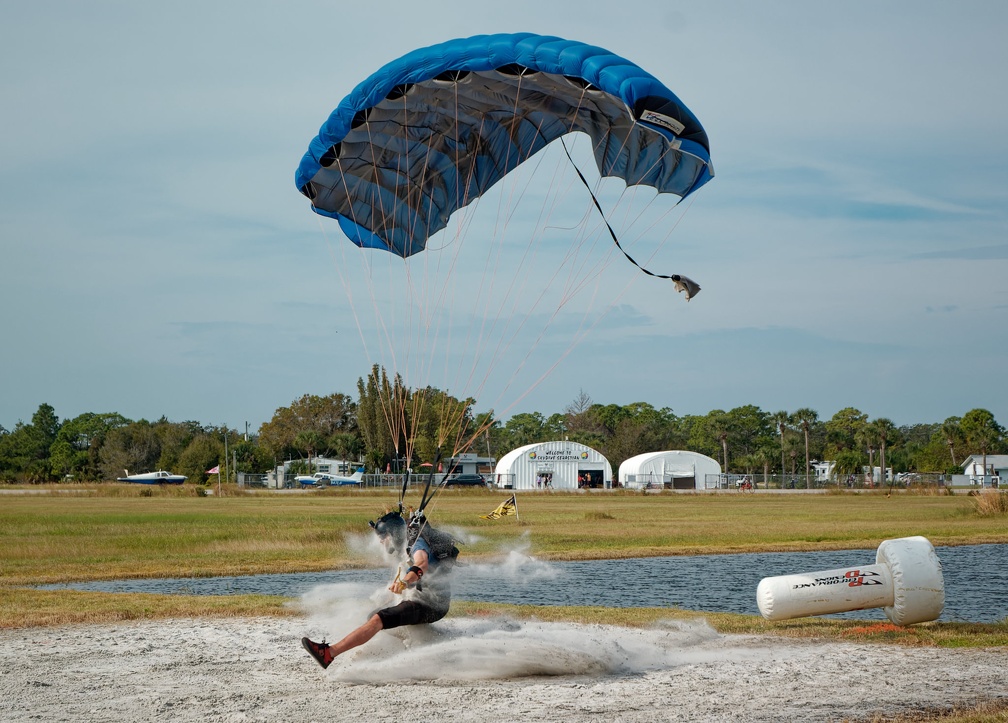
[153, 478]
[321, 479]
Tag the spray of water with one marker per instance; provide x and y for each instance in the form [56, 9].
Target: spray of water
[497, 648]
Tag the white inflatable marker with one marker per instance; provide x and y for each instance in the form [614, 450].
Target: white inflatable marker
[906, 581]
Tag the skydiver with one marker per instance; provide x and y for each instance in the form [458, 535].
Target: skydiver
[431, 555]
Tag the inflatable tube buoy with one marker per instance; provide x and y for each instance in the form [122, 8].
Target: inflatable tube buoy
[905, 581]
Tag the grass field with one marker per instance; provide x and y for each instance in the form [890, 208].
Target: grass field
[120, 534]
[113, 532]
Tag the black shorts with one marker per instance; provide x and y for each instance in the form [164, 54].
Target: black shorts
[409, 612]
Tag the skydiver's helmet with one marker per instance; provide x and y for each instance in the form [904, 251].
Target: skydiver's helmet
[391, 530]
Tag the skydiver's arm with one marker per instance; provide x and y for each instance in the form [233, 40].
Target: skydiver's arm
[413, 575]
[419, 568]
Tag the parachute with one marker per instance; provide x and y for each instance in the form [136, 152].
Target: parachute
[403, 156]
[433, 130]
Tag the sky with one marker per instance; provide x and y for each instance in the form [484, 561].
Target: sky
[157, 260]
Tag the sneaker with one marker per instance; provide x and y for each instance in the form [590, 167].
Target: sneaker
[320, 651]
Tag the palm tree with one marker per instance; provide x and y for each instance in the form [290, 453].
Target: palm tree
[982, 432]
[885, 430]
[848, 463]
[719, 426]
[309, 441]
[781, 420]
[764, 455]
[953, 432]
[805, 418]
[867, 437]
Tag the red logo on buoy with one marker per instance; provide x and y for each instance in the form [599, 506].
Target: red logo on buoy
[856, 578]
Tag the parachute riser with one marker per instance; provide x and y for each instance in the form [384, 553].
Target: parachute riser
[427, 495]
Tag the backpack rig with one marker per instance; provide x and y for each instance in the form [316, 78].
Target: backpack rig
[405, 533]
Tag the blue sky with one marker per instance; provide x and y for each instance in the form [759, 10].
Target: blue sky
[852, 248]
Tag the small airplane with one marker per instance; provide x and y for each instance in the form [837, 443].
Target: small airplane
[320, 479]
[153, 478]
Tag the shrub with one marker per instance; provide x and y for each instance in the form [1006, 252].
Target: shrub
[990, 503]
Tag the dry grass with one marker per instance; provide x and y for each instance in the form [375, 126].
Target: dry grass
[987, 711]
[948, 635]
[26, 608]
[990, 503]
[91, 534]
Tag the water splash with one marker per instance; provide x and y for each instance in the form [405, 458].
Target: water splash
[495, 648]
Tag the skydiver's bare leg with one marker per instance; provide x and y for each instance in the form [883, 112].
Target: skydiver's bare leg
[358, 637]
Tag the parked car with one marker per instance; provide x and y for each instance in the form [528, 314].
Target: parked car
[466, 480]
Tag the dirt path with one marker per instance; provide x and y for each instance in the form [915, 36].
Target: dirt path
[465, 669]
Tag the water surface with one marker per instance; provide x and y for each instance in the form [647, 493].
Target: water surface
[976, 581]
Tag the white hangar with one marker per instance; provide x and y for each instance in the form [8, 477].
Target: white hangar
[674, 469]
[553, 465]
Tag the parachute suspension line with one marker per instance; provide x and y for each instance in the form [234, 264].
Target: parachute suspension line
[476, 342]
[571, 288]
[628, 226]
[427, 496]
[433, 303]
[388, 400]
[402, 494]
[388, 396]
[416, 315]
[582, 333]
[343, 281]
[450, 288]
[505, 339]
[473, 346]
[682, 283]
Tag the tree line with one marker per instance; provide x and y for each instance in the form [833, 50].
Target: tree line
[388, 425]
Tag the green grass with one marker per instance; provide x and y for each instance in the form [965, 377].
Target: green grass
[63, 538]
[115, 532]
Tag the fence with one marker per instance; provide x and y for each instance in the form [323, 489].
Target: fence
[723, 481]
[813, 482]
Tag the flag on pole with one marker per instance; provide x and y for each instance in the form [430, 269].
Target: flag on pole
[214, 470]
[507, 507]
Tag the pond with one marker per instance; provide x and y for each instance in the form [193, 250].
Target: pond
[976, 581]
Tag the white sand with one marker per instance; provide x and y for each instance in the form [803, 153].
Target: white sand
[465, 669]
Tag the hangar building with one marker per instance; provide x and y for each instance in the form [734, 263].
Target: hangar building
[553, 465]
[674, 469]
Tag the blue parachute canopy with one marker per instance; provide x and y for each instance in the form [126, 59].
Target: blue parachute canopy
[431, 131]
